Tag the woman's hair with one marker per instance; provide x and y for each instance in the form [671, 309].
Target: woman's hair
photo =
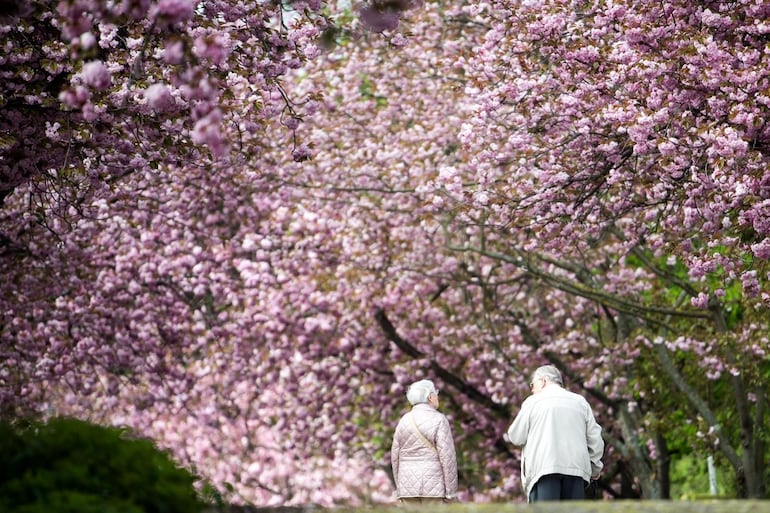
[419, 391]
[550, 373]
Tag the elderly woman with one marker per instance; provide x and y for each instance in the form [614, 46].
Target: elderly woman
[423, 452]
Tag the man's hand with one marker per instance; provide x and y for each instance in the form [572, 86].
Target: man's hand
[592, 490]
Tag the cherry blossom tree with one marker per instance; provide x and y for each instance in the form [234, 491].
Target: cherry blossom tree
[625, 163]
[101, 101]
[492, 199]
[114, 116]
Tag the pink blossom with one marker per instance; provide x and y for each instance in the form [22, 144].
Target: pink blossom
[399, 40]
[52, 130]
[652, 449]
[751, 287]
[292, 122]
[762, 249]
[279, 351]
[301, 153]
[700, 301]
[311, 51]
[311, 107]
[712, 19]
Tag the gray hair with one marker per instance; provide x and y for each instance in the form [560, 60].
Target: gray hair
[419, 391]
[549, 373]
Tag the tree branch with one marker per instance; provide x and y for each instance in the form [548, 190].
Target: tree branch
[617, 303]
[499, 410]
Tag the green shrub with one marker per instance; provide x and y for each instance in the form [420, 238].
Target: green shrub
[67, 465]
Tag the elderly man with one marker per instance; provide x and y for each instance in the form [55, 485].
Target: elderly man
[561, 442]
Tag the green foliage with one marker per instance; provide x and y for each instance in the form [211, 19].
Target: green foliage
[368, 90]
[690, 479]
[67, 465]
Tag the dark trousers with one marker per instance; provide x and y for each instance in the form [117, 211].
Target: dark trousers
[558, 487]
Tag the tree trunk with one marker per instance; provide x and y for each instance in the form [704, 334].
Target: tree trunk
[663, 466]
[636, 457]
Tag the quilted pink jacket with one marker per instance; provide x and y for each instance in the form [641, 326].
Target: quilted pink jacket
[420, 470]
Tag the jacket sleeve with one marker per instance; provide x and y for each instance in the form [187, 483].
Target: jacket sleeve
[595, 443]
[445, 447]
[517, 432]
[395, 451]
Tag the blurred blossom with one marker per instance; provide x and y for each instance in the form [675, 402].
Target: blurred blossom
[76, 97]
[159, 97]
[208, 131]
[95, 74]
[175, 11]
[174, 52]
[136, 9]
[652, 449]
[379, 20]
[216, 48]
[76, 20]
[466, 133]
[87, 40]
[481, 198]
[90, 112]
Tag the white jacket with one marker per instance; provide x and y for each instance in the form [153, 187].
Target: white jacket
[420, 468]
[558, 435]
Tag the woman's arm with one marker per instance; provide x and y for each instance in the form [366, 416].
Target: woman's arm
[445, 446]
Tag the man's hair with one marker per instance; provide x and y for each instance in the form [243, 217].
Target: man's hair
[419, 391]
[550, 373]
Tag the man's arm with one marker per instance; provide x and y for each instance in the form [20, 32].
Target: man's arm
[517, 432]
[595, 444]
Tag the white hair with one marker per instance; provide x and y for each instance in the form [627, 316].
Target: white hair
[419, 391]
[549, 373]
